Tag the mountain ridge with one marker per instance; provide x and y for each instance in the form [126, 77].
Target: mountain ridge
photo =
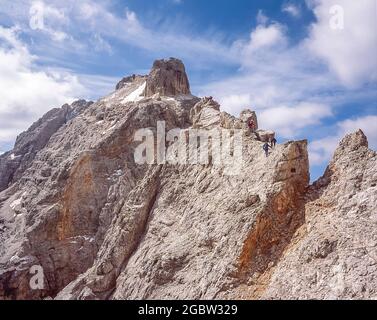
[102, 226]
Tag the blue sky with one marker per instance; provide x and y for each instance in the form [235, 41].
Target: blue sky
[308, 68]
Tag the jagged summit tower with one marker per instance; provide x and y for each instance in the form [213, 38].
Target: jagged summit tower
[167, 78]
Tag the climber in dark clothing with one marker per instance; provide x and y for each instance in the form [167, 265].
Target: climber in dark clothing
[273, 142]
[265, 148]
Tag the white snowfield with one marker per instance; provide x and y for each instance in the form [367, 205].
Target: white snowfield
[135, 95]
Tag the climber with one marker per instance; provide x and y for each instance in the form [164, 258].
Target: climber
[273, 142]
[265, 148]
[251, 124]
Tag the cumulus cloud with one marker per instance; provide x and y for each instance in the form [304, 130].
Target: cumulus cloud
[321, 150]
[276, 79]
[288, 120]
[345, 37]
[265, 37]
[325, 69]
[27, 93]
[348, 53]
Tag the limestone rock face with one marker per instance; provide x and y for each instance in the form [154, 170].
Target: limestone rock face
[167, 78]
[102, 225]
[333, 255]
[246, 114]
[28, 143]
[206, 114]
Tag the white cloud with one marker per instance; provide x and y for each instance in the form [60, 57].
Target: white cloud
[291, 9]
[278, 81]
[350, 52]
[80, 21]
[322, 150]
[265, 37]
[278, 76]
[287, 121]
[48, 19]
[25, 92]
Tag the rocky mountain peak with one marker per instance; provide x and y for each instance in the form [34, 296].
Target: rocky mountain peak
[354, 141]
[100, 225]
[28, 143]
[167, 78]
[352, 145]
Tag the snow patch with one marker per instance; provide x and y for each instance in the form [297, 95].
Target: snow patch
[136, 94]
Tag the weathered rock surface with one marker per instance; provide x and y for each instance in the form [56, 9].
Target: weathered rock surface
[167, 78]
[13, 163]
[265, 135]
[206, 114]
[129, 80]
[105, 227]
[334, 254]
[246, 114]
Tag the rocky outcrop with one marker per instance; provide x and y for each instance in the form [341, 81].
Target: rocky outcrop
[128, 80]
[167, 78]
[102, 225]
[246, 115]
[265, 135]
[206, 114]
[15, 162]
[334, 254]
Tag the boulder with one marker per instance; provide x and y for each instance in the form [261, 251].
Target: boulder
[265, 135]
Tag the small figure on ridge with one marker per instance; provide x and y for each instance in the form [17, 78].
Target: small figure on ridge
[265, 148]
[251, 124]
[273, 142]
